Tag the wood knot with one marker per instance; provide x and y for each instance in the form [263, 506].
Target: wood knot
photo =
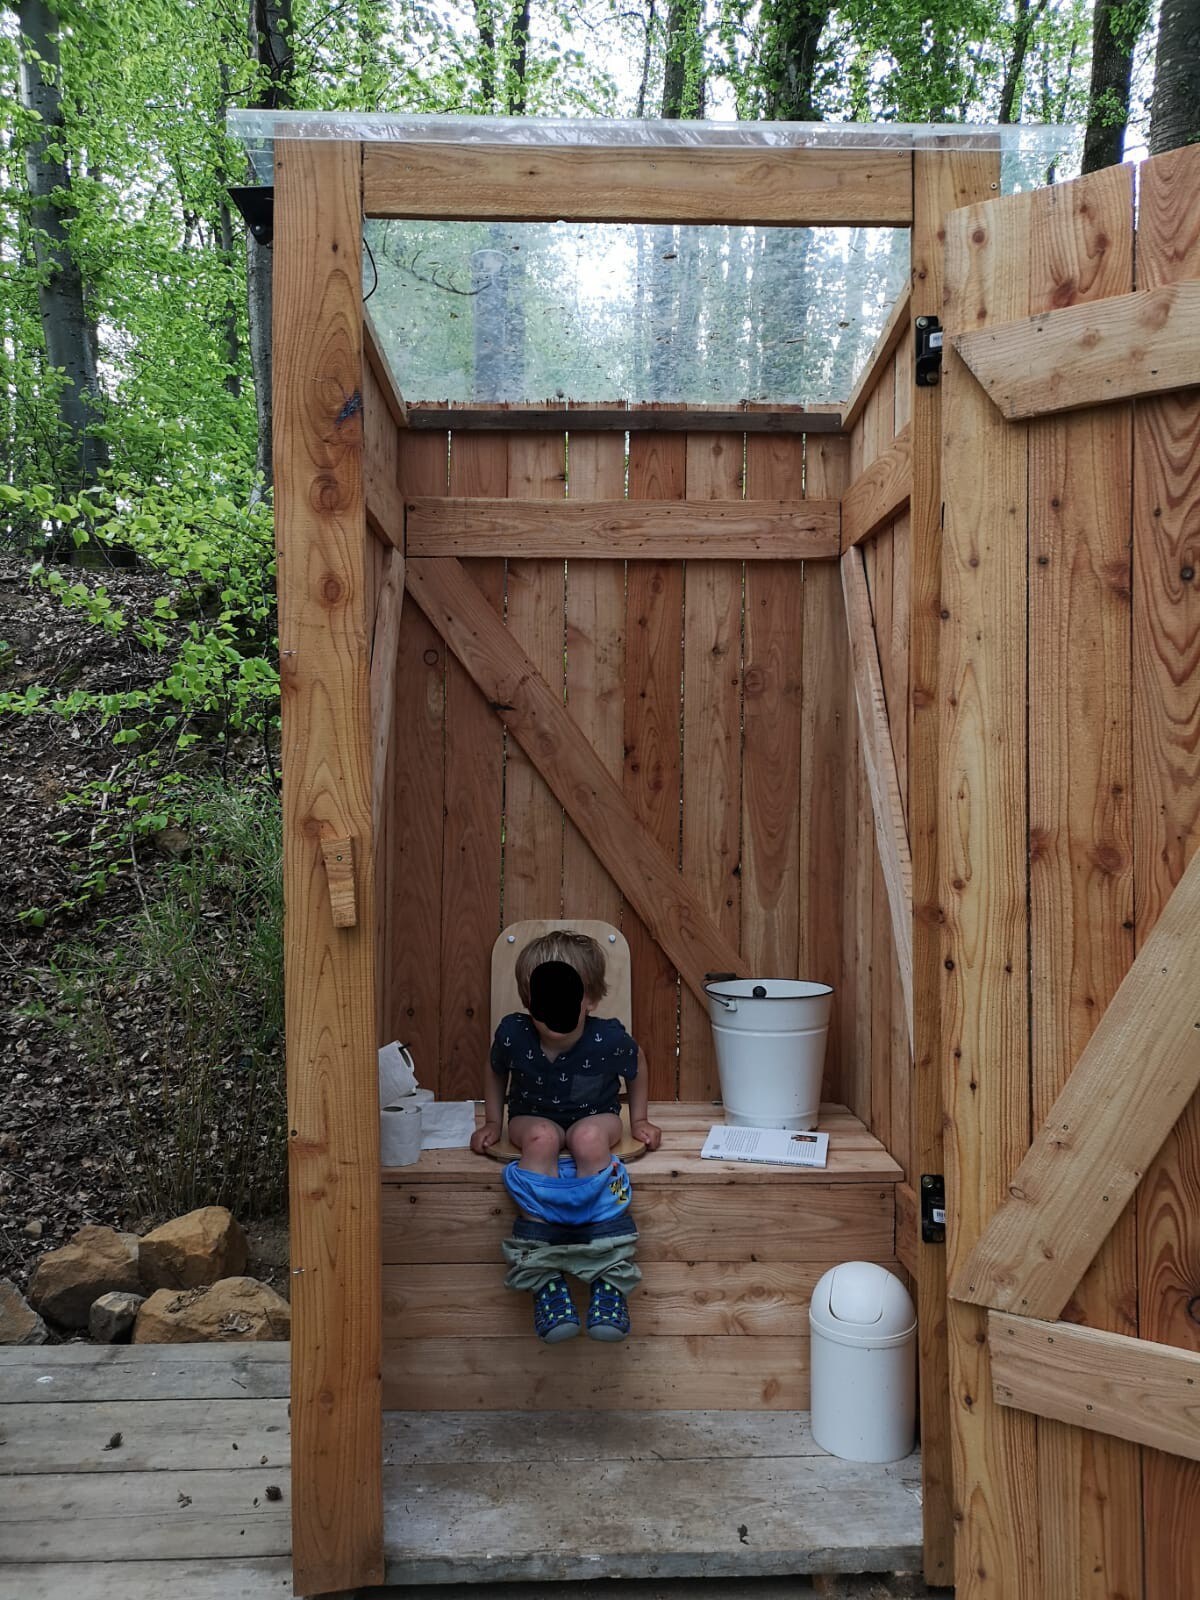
[332, 589]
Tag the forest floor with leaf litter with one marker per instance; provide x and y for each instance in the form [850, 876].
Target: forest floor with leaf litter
[73, 1127]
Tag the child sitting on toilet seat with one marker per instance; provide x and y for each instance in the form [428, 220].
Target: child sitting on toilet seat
[559, 1067]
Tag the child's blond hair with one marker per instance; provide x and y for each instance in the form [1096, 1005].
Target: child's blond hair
[577, 950]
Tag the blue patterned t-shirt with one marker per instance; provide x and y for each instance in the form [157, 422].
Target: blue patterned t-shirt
[583, 1081]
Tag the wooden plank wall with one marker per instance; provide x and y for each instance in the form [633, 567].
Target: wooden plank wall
[716, 689]
[1070, 703]
[881, 1073]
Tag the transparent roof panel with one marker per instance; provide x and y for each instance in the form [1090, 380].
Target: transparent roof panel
[485, 313]
[526, 312]
[1027, 150]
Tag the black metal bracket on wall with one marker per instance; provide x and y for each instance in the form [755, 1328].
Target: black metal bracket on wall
[933, 1208]
[928, 348]
[256, 202]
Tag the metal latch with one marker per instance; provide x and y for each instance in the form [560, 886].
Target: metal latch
[933, 1208]
[928, 352]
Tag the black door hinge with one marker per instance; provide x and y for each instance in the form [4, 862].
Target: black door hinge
[928, 346]
[933, 1208]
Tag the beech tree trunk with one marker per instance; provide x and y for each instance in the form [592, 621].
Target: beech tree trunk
[69, 332]
[1175, 109]
[791, 32]
[270, 35]
[1116, 27]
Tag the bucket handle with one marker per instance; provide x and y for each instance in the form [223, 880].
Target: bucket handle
[727, 1001]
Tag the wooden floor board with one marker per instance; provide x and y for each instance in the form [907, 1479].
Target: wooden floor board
[855, 1156]
[416, 1438]
[744, 1518]
[103, 1516]
[151, 1435]
[148, 1580]
[83, 1372]
[674, 1493]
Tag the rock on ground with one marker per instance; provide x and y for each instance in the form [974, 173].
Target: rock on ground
[19, 1322]
[235, 1308]
[112, 1317]
[91, 1263]
[200, 1248]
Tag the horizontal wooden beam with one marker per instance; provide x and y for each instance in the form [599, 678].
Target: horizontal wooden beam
[1131, 344]
[553, 741]
[574, 183]
[661, 530]
[1145, 1392]
[879, 762]
[885, 348]
[880, 493]
[622, 419]
[1137, 1072]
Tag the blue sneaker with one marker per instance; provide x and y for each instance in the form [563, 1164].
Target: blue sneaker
[608, 1313]
[554, 1315]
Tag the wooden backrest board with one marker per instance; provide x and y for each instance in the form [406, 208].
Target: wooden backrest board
[617, 1003]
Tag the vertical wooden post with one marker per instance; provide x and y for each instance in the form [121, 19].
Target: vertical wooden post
[333, 1117]
[982, 874]
[1166, 781]
[1080, 845]
[942, 181]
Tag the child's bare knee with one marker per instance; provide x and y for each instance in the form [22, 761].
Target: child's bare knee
[589, 1139]
[542, 1139]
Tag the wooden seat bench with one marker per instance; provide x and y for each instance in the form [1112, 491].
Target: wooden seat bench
[730, 1254]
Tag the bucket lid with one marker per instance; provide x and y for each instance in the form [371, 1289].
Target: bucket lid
[862, 1303]
[765, 988]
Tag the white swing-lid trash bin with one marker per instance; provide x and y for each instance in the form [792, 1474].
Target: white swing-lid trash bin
[863, 1362]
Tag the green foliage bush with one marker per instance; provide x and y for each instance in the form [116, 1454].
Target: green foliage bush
[180, 1005]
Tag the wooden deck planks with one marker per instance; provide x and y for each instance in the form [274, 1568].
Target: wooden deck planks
[156, 1435]
[982, 838]
[164, 1516]
[1166, 721]
[474, 789]
[331, 1015]
[675, 1493]
[143, 1470]
[83, 1373]
[1081, 858]
[710, 841]
[652, 770]
[122, 1579]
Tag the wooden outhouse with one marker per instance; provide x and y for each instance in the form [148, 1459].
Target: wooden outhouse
[898, 690]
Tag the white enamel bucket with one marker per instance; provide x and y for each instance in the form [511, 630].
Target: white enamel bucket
[770, 1037]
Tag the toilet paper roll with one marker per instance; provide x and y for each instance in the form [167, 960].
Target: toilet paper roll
[397, 1075]
[419, 1097]
[400, 1135]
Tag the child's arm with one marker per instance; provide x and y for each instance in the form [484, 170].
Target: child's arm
[495, 1086]
[639, 1101]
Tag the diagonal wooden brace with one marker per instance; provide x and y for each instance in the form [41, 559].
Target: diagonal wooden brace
[879, 759]
[553, 741]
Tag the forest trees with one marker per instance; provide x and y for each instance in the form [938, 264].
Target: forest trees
[1175, 115]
